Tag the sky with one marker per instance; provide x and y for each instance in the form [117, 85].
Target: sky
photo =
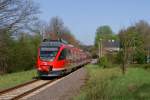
[83, 17]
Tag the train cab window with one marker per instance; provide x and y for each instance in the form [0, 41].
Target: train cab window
[48, 53]
[63, 54]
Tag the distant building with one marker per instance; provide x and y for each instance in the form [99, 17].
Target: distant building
[110, 46]
[14, 37]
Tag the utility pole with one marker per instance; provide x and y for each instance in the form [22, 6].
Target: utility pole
[148, 55]
[100, 48]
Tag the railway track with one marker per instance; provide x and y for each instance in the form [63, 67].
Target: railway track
[22, 90]
[25, 89]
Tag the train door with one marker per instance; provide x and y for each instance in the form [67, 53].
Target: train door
[69, 58]
[62, 59]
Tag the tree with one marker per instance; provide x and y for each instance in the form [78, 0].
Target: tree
[5, 42]
[56, 29]
[143, 29]
[104, 30]
[38, 28]
[15, 14]
[105, 33]
[23, 53]
[132, 47]
[125, 44]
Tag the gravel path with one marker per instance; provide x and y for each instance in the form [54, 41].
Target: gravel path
[62, 89]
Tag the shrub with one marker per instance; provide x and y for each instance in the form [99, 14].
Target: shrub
[104, 62]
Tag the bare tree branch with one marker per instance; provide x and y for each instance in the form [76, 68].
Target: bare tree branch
[15, 13]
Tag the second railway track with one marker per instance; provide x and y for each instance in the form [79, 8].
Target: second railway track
[20, 91]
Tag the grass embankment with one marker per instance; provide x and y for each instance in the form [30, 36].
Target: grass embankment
[110, 84]
[10, 80]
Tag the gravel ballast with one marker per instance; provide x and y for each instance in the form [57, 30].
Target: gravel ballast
[62, 89]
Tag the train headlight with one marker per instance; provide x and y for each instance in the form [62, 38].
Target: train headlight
[39, 68]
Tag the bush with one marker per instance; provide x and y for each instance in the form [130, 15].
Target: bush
[104, 62]
[140, 57]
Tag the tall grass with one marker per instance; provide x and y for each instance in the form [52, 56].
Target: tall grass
[110, 84]
[13, 79]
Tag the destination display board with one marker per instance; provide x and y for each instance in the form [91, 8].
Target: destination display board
[53, 44]
[49, 49]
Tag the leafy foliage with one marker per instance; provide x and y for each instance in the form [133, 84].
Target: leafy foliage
[5, 51]
[135, 43]
[20, 54]
[104, 33]
[104, 62]
[17, 52]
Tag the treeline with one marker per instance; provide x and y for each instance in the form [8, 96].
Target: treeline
[18, 53]
[133, 43]
[17, 47]
[56, 29]
[21, 33]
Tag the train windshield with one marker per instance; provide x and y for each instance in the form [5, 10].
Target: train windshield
[48, 53]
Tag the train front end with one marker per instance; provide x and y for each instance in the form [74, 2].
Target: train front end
[47, 59]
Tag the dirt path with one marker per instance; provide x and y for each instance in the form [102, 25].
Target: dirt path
[63, 89]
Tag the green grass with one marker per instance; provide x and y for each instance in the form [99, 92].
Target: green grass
[110, 84]
[10, 80]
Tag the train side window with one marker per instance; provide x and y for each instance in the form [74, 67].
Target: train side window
[63, 55]
[69, 56]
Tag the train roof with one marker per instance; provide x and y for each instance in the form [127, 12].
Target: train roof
[58, 43]
[55, 43]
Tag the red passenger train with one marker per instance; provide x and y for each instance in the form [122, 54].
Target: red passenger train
[56, 58]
